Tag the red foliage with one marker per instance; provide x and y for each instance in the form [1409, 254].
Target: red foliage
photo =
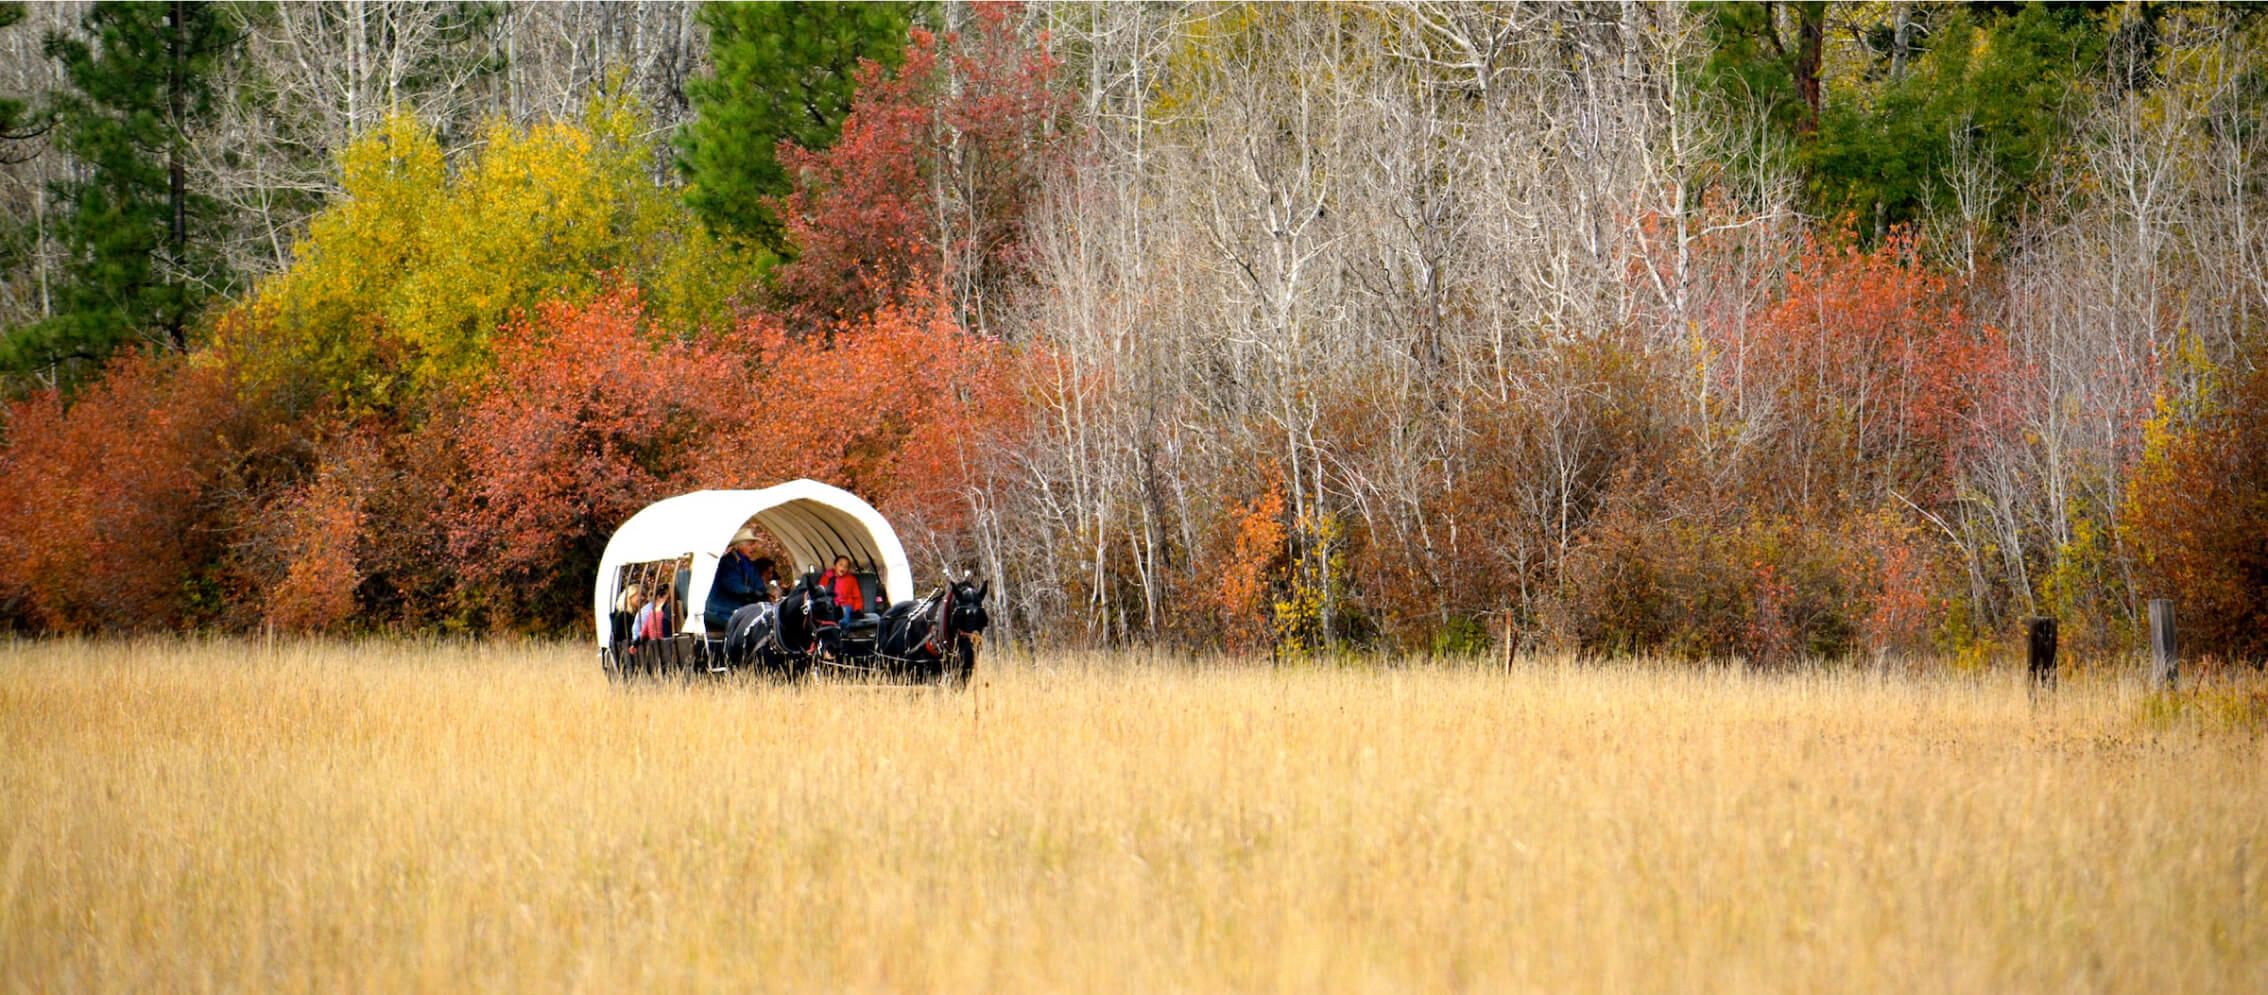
[1899, 584]
[1879, 376]
[588, 416]
[102, 523]
[324, 522]
[860, 216]
[356, 534]
[893, 406]
[929, 182]
[591, 414]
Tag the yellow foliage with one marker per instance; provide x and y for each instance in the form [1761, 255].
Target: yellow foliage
[1299, 617]
[2081, 588]
[2171, 413]
[399, 286]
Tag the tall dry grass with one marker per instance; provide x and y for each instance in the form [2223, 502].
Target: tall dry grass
[432, 817]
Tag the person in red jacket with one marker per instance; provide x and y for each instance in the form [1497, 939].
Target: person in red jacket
[844, 584]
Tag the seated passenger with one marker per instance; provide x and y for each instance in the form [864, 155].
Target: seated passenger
[770, 591]
[654, 619]
[737, 583]
[844, 584]
[626, 607]
[681, 583]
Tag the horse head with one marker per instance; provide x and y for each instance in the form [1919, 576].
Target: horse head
[967, 607]
[818, 598]
[802, 610]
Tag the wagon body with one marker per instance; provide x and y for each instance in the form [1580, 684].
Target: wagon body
[813, 521]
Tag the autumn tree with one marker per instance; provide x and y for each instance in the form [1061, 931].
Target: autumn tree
[594, 410]
[895, 405]
[589, 414]
[929, 182]
[1871, 374]
[402, 283]
[785, 72]
[2198, 511]
[104, 522]
[139, 239]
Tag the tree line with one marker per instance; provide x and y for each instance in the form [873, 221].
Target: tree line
[1759, 331]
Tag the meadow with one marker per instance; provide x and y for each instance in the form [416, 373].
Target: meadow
[307, 816]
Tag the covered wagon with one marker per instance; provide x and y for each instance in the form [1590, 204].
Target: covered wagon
[650, 604]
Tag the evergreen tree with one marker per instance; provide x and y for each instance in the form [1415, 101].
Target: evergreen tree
[1992, 77]
[2000, 80]
[139, 242]
[783, 71]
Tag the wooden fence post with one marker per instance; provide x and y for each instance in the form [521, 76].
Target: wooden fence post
[2043, 652]
[2165, 659]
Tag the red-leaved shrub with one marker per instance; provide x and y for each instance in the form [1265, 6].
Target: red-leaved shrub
[104, 522]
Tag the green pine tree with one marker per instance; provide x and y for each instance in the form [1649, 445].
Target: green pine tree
[1992, 76]
[2001, 80]
[783, 71]
[138, 240]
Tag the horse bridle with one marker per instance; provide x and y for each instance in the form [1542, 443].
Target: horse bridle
[949, 625]
[811, 632]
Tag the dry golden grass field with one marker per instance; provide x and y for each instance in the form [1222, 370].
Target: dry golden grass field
[187, 816]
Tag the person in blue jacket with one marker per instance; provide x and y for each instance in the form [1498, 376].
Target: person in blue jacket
[740, 581]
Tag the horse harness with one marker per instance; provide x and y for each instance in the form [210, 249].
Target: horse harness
[941, 604]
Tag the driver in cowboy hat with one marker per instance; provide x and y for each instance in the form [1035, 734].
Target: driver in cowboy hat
[739, 581]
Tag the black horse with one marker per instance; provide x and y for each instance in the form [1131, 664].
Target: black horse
[932, 640]
[935, 638]
[783, 639]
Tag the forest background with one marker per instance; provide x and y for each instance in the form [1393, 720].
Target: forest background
[1757, 331]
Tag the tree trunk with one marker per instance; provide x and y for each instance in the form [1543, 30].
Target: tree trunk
[1811, 33]
[1901, 38]
[177, 238]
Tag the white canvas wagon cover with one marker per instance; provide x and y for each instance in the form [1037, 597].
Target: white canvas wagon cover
[815, 522]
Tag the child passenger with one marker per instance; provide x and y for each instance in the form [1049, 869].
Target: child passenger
[844, 584]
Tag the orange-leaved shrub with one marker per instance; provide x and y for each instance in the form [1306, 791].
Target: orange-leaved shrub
[592, 413]
[1251, 571]
[106, 514]
[324, 522]
[2197, 510]
[1867, 374]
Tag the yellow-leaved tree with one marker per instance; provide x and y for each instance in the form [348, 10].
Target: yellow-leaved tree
[400, 285]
